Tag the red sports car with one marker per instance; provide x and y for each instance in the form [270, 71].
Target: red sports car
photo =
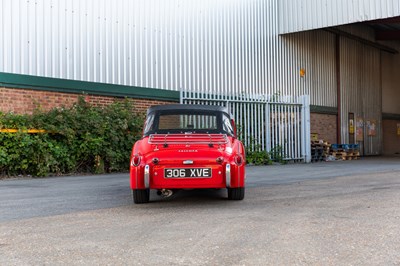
[187, 147]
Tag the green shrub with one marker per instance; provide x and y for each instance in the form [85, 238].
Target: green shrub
[261, 157]
[255, 153]
[80, 139]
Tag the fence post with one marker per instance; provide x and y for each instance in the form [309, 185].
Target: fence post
[305, 125]
[181, 98]
[267, 127]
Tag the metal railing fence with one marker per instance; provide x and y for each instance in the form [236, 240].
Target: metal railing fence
[266, 123]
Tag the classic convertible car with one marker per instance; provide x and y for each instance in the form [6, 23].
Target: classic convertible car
[187, 147]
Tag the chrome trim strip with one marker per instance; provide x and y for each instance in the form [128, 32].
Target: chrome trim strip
[188, 162]
[228, 175]
[136, 176]
[147, 176]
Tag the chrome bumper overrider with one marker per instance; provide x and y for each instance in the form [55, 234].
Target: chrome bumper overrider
[147, 176]
[228, 175]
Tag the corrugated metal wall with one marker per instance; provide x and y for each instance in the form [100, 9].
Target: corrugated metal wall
[391, 82]
[361, 91]
[313, 14]
[209, 46]
[314, 52]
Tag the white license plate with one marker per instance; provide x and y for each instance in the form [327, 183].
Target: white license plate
[187, 172]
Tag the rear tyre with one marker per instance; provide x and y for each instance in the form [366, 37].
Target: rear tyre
[236, 193]
[141, 196]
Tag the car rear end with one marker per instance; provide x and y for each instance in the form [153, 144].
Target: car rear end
[187, 160]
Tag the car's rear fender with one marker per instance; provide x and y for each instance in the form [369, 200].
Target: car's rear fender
[237, 178]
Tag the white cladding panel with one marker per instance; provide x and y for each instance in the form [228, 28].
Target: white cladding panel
[210, 46]
[314, 14]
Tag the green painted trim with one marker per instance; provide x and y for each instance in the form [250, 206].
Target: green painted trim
[323, 110]
[387, 116]
[75, 86]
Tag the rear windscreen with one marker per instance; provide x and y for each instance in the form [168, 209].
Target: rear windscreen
[188, 121]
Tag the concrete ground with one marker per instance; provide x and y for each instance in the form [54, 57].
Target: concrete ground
[304, 214]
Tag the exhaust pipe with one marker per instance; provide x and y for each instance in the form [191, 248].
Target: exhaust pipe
[165, 193]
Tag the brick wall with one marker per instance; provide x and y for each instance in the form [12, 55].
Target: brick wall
[324, 125]
[25, 101]
[391, 141]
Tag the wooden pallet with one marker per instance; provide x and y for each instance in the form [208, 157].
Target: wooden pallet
[339, 153]
[345, 152]
[346, 156]
[320, 150]
[353, 156]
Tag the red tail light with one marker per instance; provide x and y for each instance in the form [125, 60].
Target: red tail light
[238, 160]
[135, 160]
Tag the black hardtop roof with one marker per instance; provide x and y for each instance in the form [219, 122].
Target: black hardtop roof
[187, 107]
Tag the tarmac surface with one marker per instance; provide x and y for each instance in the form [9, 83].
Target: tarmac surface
[303, 214]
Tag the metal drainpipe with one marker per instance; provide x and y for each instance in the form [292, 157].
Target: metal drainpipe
[339, 112]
